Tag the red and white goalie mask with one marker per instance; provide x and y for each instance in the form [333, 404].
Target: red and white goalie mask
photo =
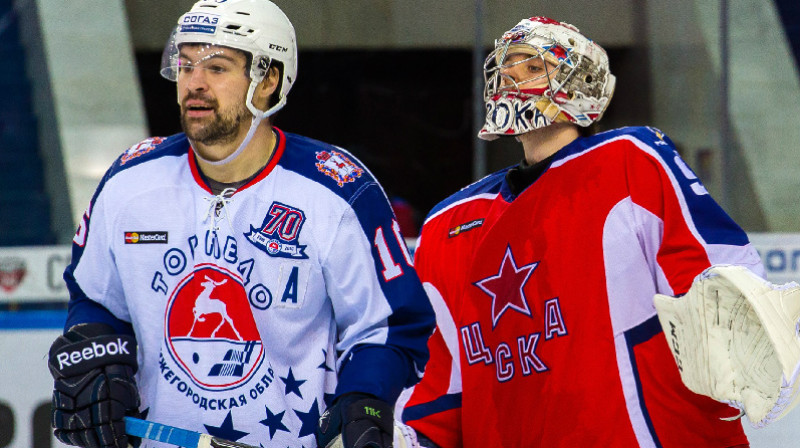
[541, 72]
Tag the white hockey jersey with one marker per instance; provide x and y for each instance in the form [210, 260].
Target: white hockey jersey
[251, 312]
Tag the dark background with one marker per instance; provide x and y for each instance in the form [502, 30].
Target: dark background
[407, 114]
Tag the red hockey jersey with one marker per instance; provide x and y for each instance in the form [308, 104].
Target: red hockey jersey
[547, 334]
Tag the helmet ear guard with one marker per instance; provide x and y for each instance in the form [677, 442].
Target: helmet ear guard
[578, 89]
[259, 68]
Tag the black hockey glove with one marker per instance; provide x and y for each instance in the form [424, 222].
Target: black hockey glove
[363, 421]
[93, 368]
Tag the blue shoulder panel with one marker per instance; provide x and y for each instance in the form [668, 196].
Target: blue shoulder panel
[150, 149]
[712, 222]
[492, 184]
[328, 165]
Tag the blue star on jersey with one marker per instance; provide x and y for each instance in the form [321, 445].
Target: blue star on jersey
[324, 364]
[292, 384]
[309, 419]
[506, 288]
[226, 430]
[274, 422]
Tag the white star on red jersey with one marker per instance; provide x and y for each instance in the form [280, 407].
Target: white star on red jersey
[505, 288]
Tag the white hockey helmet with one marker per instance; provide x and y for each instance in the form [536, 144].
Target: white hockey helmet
[257, 27]
[579, 84]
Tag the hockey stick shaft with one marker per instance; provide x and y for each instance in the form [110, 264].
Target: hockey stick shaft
[176, 436]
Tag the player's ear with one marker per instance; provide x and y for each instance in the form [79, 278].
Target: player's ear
[267, 87]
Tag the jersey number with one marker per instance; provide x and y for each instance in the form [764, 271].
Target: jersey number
[391, 269]
[80, 234]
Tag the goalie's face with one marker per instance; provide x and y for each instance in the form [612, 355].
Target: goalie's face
[521, 71]
[518, 92]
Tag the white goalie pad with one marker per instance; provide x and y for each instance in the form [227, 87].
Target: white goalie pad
[736, 339]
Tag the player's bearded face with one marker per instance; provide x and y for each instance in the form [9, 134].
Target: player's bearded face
[212, 88]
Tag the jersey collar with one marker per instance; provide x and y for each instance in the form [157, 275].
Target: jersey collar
[273, 161]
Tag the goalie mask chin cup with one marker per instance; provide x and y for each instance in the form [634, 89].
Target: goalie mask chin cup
[579, 87]
[257, 27]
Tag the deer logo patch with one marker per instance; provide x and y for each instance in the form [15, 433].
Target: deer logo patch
[210, 330]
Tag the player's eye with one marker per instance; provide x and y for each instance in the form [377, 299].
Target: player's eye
[185, 67]
[534, 66]
[217, 69]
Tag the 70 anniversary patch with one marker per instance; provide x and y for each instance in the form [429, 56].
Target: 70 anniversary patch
[278, 234]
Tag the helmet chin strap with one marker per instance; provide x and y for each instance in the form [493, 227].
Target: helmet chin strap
[253, 126]
[258, 117]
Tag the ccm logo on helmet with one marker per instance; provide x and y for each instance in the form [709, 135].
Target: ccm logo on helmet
[277, 47]
[68, 359]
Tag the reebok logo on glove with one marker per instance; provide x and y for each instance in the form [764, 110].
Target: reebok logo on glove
[68, 359]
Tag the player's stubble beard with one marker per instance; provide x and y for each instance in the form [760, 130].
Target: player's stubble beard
[222, 127]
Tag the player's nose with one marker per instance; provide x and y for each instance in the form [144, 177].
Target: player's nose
[507, 78]
[197, 80]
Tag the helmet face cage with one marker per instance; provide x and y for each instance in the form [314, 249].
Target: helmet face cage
[496, 66]
[257, 27]
[579, 84]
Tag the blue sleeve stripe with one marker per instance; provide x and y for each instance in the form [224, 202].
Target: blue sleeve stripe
[637, 335]
[441, 404]
[83, 310]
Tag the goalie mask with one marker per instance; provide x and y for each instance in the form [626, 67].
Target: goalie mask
[257, 27]
[575, 85]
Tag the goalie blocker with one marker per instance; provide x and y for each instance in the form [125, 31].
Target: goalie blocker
[736, 339]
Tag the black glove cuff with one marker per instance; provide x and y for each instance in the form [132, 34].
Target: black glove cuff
[366, 407]
[77, 352]
[355, 415]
